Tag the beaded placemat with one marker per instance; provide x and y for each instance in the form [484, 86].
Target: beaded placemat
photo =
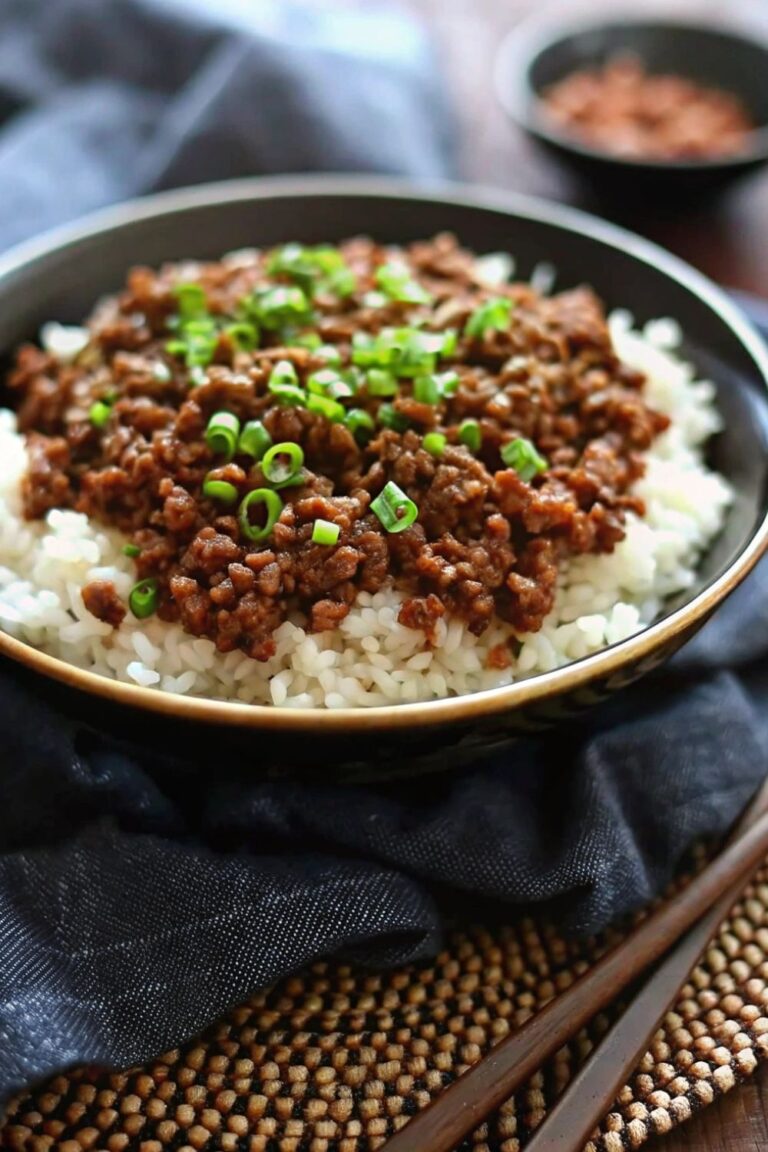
[336, 1059]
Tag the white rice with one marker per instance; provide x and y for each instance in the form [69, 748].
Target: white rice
[371, 659]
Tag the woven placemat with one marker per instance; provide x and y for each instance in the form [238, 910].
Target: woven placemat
[337, 1059]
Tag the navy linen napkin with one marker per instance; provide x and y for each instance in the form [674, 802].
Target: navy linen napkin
[141, 895]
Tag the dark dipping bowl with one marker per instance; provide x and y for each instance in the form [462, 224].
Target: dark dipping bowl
[539, 53]
[60, 277]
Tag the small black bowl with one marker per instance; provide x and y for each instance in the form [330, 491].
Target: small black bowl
[539, 53]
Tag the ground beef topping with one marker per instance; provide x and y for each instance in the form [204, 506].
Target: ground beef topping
[497, 423]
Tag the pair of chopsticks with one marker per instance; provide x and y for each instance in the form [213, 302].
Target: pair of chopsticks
[678, 931]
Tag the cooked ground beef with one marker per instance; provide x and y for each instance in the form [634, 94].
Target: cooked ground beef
[623, 108]
[487, 540]
[102, 601]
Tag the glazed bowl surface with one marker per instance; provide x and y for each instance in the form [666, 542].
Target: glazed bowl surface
[61, 275]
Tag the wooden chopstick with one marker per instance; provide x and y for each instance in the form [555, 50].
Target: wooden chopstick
[484, 1087]
[593, 1090]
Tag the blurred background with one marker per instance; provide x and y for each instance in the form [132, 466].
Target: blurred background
[101, 100]
[725, 235]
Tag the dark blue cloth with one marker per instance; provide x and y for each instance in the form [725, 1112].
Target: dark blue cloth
[140, 896]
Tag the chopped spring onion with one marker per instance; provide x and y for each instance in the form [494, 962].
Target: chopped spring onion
[329, 353]
[360, 424]
[99, 413]
[426, 390]
[220, 490]
[316, 269]
[282, 463]
[326, 406]
[273, 506]
[391, 418]
[396, 282]
[402, 351]
[284, 384]
[447, 382]
[522, 456]
[222, 433]
[243, 335]
[289, 394]
[470, 434]
[254, 440]
[143, 598]
[279, 307]
[196, 342]
[394, 509]
[328, 382]
[324, 532]
[491, 316]
[284, 372]
[310, 340]
[131, 550]
[191, 299]
[380, 383]
[434, 443]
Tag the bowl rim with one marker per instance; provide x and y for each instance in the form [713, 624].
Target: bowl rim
[452, 710]
[522, 45]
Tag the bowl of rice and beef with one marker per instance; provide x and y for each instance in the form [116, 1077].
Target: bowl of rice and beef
[329, 457]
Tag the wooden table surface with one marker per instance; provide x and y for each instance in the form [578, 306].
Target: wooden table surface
[727, 239]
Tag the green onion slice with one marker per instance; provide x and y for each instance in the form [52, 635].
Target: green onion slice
[391, 418]
[402, 351]
[284, 372]
[310, 340]
[324, 532]
[191, 299]
[273, 506]
[394, 509]
[329, 353]
[222, 434]
[491, 316]
[328, 382]
[280, 307]
[522, 456]
[254, 440]
[243, 335]
[99, 413]
[220, 490]
[434, 443]
[325, 406]
[380, 383]
[426, 390]
[360, 424]
[316, 269]
[282, 463]
[289, 394]
[131, 550]
[143, 598]
[470, 434]
[396, 282]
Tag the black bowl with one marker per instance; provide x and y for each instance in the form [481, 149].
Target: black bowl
[61, 275]
[539, 53]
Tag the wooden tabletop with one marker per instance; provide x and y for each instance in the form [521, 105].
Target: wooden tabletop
[727, 239]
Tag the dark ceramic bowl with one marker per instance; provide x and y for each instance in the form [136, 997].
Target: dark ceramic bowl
[61, 275]
[539, 53]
